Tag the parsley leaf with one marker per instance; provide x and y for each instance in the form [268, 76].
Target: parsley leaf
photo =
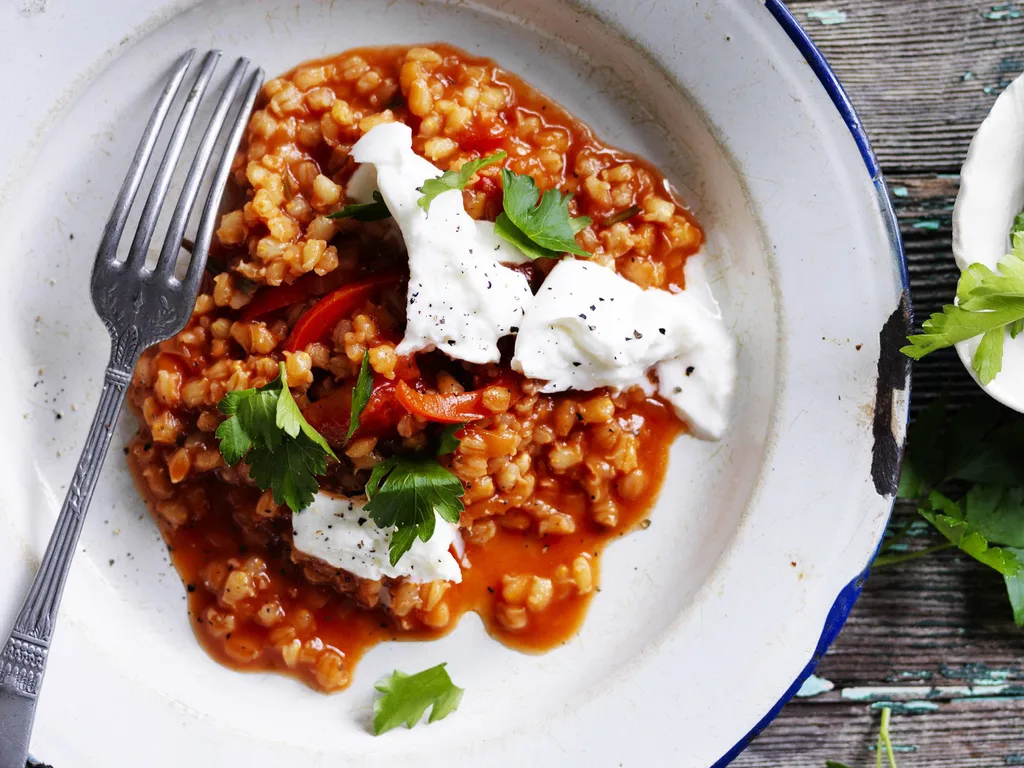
[406, 698]
[360, 396]
[407, 492]
[997, 513]
[448, 442]
[979, 446]
[1015, 589]
[290, 470]
[374, 211]
[1018, 226]
[948, 518]
[988, 303]
[539, 229]
[455, 179]
[266, 428]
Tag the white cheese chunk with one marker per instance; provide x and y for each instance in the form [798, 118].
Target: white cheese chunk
[461, 299]
[337, 531]
[588, 327]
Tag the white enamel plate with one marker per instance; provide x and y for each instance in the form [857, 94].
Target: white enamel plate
[708, 620]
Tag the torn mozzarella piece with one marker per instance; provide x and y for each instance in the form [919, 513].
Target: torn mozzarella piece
[588, 327]
[461, 299]
[337, 531]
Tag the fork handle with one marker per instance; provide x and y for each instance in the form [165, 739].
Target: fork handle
[23, 658]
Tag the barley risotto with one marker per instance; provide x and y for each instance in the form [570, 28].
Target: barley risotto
[412, 385]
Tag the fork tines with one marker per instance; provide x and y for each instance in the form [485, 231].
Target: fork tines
[230, 103]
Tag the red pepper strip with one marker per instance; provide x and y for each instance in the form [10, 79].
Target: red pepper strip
[447, 409]
[269, 299]
[320, 320]
[330, 415]
[483, 143]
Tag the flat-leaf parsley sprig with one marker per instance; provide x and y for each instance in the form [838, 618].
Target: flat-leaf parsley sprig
[538, 225]
[989, 303]
[266, 428]
[541, 229]
[406, 697]
[408, 492]
[962, 471]
[455, 179]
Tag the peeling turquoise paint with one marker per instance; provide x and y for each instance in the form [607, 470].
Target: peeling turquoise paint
[906, 707]
[1000, 12]
[978, 673]
[885, 693]
[815, 686]
[929, 224]
[902, 693]
[968, 75]
[908, 674]
[828, 18]
[1014, 760]
[901, 192]
[896, 748]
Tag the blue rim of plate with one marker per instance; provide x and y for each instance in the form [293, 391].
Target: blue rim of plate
[843, 604]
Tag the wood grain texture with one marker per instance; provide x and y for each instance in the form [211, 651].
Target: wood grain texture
[934, 636]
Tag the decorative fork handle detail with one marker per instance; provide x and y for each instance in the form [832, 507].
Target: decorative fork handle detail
[23, 658]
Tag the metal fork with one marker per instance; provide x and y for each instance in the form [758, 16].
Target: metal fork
[140, 307]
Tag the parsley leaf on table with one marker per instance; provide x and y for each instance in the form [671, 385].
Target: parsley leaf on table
[360, 395]
[406, 698]
[963, 471]
[1015, 588]
[987, 303]
[266, 428]
[997, 513]
[541, 229]
[948, 518]
[374, 211]
[455, 179]
[407, 493]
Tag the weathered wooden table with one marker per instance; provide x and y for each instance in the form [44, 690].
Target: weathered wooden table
[935, 636]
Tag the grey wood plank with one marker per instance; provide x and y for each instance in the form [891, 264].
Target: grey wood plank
[934, 636]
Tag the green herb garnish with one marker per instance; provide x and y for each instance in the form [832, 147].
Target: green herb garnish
[962, 471]
[541, 230]
[988, 304]
[406, 698]
[408, 493]
[374, 211]
[455, 179]
[266, 428]
[360, 395]
[448, 442]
